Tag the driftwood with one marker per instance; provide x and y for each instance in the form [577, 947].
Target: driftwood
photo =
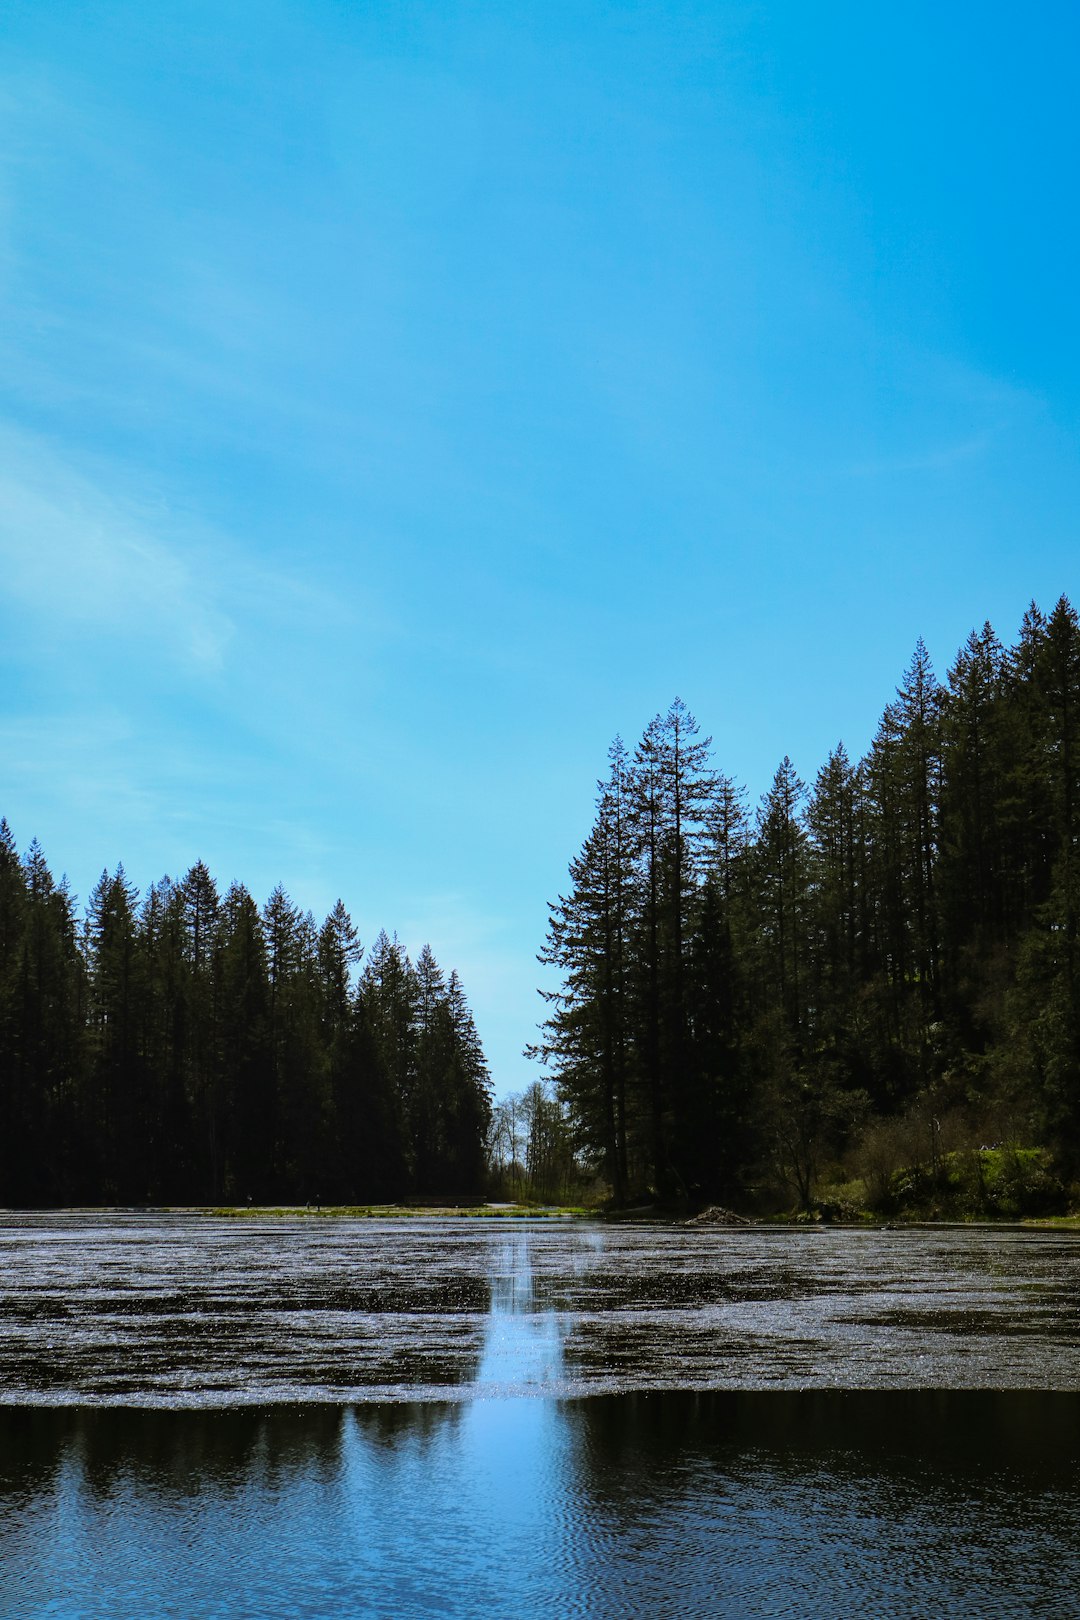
[716, 1216]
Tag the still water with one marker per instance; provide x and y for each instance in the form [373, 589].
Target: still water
[328, 1418]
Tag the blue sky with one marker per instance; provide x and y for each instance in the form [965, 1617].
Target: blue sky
[397, 401]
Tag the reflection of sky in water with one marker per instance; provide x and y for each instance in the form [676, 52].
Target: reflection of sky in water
[523, 1341]
[806, 1506]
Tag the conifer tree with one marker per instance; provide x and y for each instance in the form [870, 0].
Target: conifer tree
[249, 1112]
[389, 991]
[782, 884]
[13, 915]
[836, 919]
[671, 789]
[50, 1125]
[588, 1032]
[115, 1104]
[466, 1090]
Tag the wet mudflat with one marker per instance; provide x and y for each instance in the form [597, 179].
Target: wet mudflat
[190, 1310]
[319, 1417]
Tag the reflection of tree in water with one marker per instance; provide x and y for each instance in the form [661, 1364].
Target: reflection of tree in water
[742, 1502]
[389, 1424]
[175, 1453]
[671, 1434]
[31, 1441]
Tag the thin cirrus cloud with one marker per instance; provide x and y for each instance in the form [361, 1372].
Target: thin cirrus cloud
[90, 556]
[399, 403]
[84, 562]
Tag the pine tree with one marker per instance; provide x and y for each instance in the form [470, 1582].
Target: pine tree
[165, 972]
[782, 887]
[1052, 956]
[466, 1090]
[49, 1154]
[116, 1104]
[389, 993]
[13, 921]
[671, 789]
[919, 752]
[301, 1086]
[715, 1127]
[836, 919]
[977, 889]
[903, 779]
[249, 1112]
[199, 916]
[587, 1036]
[433, 1057]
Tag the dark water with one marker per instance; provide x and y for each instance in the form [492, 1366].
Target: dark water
[325, 1418]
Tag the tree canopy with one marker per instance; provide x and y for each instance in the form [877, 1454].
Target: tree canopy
[740, 990]
[188, 1046]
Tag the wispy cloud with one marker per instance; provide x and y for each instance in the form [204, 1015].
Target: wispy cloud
[88, 548]
[952, 416]
[78, 555]
[933, 458]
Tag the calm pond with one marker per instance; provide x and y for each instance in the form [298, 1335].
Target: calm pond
[324, 1417]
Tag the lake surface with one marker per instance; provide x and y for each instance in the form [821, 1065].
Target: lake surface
[323, 1417]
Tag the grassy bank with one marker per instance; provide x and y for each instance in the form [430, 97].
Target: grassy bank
[385, 1212]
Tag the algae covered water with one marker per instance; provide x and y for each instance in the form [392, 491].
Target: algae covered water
[190, 1311]
[328, 1417]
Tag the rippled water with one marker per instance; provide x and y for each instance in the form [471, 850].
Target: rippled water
[187, 1310]
[321, 1418]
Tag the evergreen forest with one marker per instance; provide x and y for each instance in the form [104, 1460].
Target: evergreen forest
[189, 1047]
[880, 968]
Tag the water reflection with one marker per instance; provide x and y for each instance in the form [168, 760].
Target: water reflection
[779, 1423]
[100, 1451]
[523, 1335]
[730, 1503]
[897, 1503]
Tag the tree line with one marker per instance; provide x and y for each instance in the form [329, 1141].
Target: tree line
[188, 1046]
[531, 1151]
[742, 991]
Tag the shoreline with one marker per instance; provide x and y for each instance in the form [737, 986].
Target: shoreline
[546, 1212]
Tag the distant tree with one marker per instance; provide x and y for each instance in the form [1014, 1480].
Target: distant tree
[549, 1150]
[531, 1147]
